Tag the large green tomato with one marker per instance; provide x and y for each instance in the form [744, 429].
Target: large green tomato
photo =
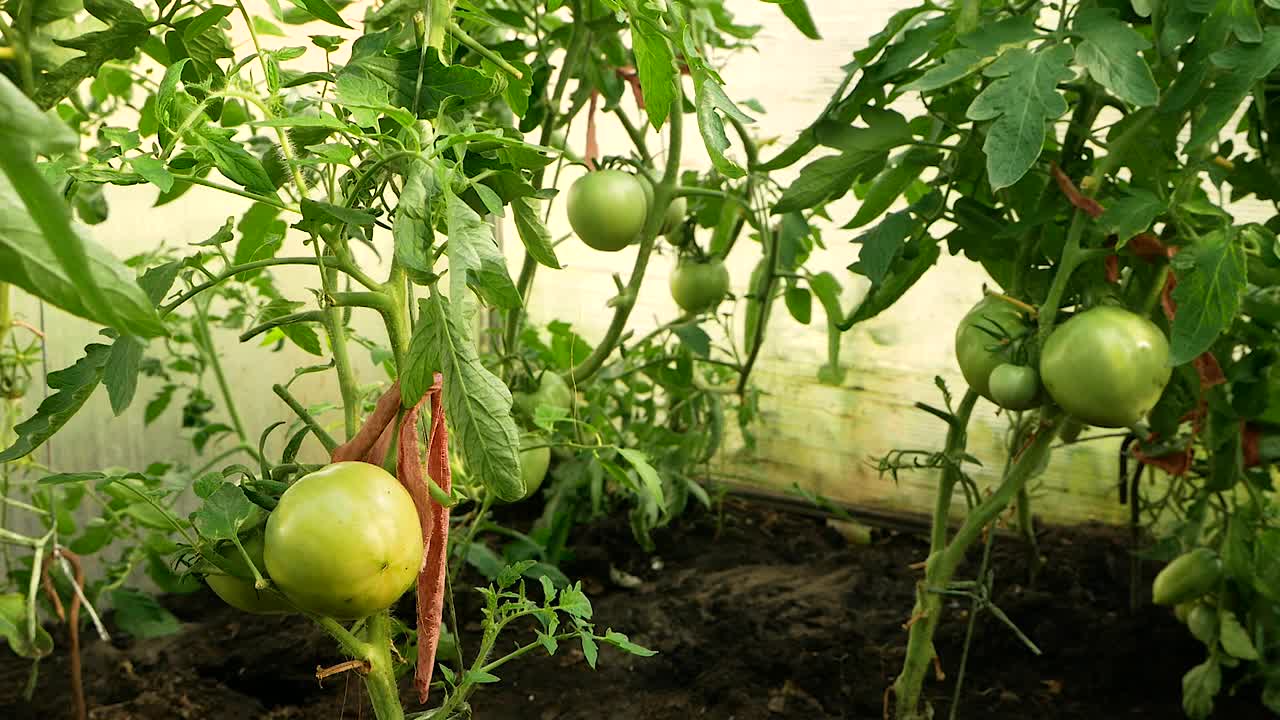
[978, 349]
[698, 287]
[238, 590]
[607, 209]
[344, 541]
[534, 462]
[1106, 366]
[552, 390]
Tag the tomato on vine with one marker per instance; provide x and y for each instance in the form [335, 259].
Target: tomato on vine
[1106, 366]
[238, 590]
[1014, 387]
[607, 209]
[699, 286]
[984, 340]
[344, 542]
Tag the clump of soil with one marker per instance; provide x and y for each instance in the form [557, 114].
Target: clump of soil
[756, 614]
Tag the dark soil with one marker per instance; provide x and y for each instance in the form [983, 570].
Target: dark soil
[760, 615]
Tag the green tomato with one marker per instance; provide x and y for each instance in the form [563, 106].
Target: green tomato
[552, 390]
[1014, 387]
[1106, 366]
[1189, 577]
[344, 541]
[699, 287]
[674, 217]
[607, 209]
[238, 590]
[978, 346]
[534, 462]
[1202, 621]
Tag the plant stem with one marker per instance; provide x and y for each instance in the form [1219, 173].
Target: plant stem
[626, 301]
[942, 565]
[484, 52]
[381, 680]
[211, 356]
[957, 440]
[231, 272]
[529, 268]
[321, 434]
[264, 199]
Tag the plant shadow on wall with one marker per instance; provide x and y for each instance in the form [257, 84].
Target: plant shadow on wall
[404, 144]
[1087, 155]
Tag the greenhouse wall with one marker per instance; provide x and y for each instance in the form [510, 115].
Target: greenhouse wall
[824, 437]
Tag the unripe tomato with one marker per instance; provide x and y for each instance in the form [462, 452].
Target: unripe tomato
[607, 209]
[344, 541]
[979, 349]
[1187, 578]
[534, 462]
[674, 216]
[1106, 366]
[1014, 387]
[238, 590]
[699, 286]
[1202, 621]
[552, 390]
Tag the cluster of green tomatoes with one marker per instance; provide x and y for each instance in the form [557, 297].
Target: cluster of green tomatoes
[608, 210]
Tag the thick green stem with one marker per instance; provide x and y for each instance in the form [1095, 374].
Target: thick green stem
[942, 565]
[336, 327]
[626, 301]
[321, 434]
[957, 440]
[380, 682]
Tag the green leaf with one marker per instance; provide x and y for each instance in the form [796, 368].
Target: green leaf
[623, 643]
[1023, 98]
[1111, 50]
[1244, 21]
[72, 386]
[477, 402]
[693, 337]
[1131, 214]
[475, 260]
[882, 246]
[1244, 65]
[822, 180]
[649, 477]
[322, 10]
[206, 21]
[1199, 687]
[325, 213]
[14, 626]
[798, 13]
[978, 49]
[799, 302]
[411, 230]
[21, 122]
[1235, 639]
[711, 101]
[120, 374]
[153, 170]
[232, 160]
[890, 184]
[139, 615]
[261, 234]
[375, 80]
[904, 274]
[533, 233]
[1212, 276]
[655, 64]
[41, 252]
[126, 30]
[590, 651]
[224, 513]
